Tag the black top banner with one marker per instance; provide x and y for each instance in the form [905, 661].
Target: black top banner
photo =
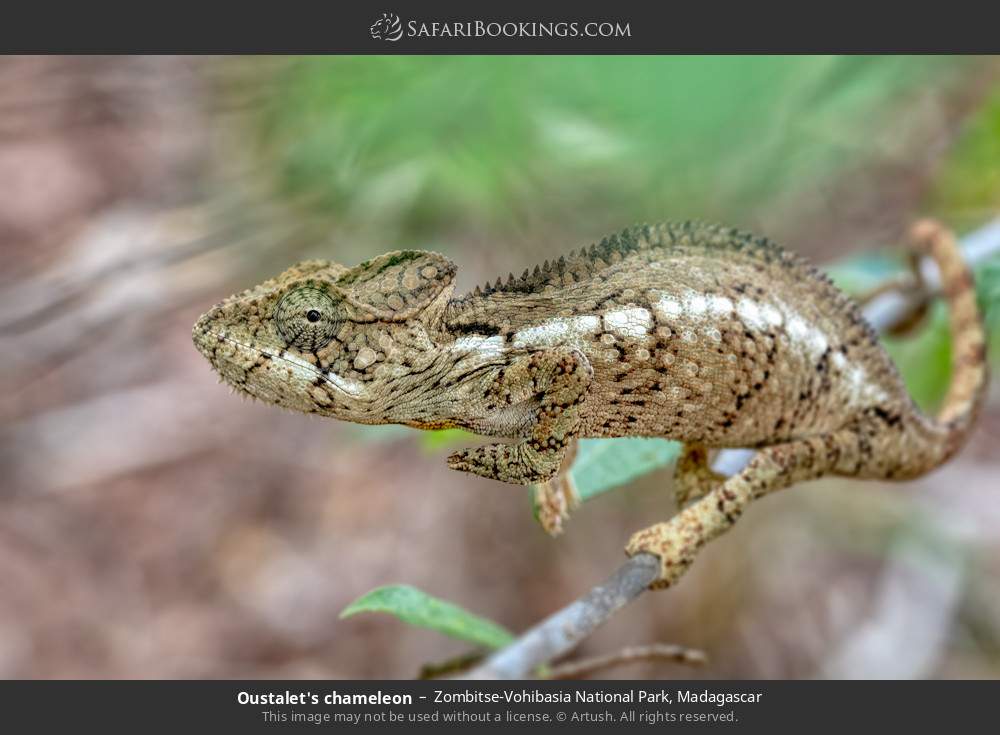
[438, 27]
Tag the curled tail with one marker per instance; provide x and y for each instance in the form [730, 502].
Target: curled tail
[944, 434]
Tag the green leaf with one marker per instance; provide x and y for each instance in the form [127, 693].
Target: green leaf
[604, 464]
[416, 607]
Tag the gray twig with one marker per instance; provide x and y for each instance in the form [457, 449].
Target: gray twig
[630, 654]
[562, 631]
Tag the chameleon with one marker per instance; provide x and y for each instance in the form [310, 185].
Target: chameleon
[699, 333]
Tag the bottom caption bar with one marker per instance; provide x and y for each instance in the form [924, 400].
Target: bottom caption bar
[779, 706]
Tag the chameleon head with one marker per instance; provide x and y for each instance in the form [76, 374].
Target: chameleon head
[320, 337]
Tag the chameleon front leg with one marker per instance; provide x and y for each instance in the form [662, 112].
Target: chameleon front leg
[551, 385]
[677, 541]
[693, 478]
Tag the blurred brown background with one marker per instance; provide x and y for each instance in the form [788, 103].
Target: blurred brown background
[152, 525]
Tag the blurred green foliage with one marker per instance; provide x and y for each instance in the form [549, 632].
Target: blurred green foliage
[967, 189]
[419, 145]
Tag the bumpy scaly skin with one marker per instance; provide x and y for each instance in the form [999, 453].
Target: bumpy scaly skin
[692, 332]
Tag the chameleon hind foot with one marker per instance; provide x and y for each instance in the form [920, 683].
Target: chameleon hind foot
[676, 542]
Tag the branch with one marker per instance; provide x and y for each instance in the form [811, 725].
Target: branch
[562, 631]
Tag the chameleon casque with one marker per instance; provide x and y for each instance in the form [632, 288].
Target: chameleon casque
[698, 333]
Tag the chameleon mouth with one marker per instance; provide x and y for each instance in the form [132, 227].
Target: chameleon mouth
[208, 337]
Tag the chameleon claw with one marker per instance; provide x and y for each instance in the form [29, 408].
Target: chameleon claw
[460, 461]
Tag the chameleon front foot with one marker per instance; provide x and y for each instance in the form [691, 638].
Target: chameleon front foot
[518, 464]
[554, 384]
[553, 500]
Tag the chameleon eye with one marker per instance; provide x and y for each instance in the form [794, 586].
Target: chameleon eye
[307, 318]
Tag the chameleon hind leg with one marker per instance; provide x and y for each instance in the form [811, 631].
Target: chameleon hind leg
[693, 478]
[677, 541]
[554, 384]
